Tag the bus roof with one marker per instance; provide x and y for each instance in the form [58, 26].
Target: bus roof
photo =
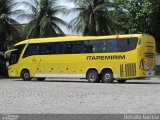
[76, 38]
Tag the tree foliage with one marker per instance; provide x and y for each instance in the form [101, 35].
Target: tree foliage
[9, 33]
[93, 17]
[155, 21]
[138, 16]
[44, 21]
[132, 16]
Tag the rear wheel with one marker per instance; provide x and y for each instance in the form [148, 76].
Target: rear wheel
[107, 76]
[41, 79]
[93, 76]
[26, 75]
[121, 81]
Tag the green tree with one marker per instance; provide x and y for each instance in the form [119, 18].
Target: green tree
[132, 16]
[8, 31]
[139, 11]
[120, 16]
[154, 18]
[93, 17]
[44, 21]
[138, 16]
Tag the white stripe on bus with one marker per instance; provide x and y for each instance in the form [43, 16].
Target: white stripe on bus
[66, 75]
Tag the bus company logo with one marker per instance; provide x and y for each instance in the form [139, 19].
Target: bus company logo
[111, 57]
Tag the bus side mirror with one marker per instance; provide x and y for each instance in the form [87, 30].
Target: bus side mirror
[8, 54]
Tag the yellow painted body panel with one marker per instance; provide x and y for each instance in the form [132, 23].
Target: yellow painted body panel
[79, 64]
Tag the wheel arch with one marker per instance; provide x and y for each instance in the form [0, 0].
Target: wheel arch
[105, 69]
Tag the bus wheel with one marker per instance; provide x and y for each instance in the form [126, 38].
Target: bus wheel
[41, 79]
[107, 76]
[93, 76]
[26, 75]
[121, 81]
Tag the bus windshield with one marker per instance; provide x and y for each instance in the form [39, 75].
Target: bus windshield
[15, 54]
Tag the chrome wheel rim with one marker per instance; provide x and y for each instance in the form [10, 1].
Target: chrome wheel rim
[26, 75]
[107, 76]
[92, 76]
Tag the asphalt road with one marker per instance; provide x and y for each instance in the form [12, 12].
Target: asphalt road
[79, 97]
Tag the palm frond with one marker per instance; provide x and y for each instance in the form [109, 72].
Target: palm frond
[74, 10]
[59, 21]
[31, 7]
[57, 28]
[26, 16]
[16, 12]
[45, 12]
[93, 17]
[28, 29]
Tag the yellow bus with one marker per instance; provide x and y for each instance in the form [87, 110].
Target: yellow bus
[100, 58]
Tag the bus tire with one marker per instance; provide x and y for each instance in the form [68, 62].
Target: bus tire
[121, 81]
[92, 76]
[41, 79]
[107, 76]
[26, 75]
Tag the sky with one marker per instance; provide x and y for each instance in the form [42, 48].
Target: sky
[65, 18]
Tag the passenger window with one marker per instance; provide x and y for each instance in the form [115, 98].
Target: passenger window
[79, 47]
[57, 48]
[49, 49]
[62, 48]
[69, 48]
[127, 44]
[111, 46]
[88, 47]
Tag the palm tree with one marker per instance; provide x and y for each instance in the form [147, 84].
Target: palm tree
[93, 17]
[8, 31]
[44, 21]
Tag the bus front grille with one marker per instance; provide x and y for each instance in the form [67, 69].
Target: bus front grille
[128, 70]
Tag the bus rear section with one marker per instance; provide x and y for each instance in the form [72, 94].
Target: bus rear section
[147, 57]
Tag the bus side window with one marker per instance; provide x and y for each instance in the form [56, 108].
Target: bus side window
[104, 46]
[79, 47]
[122, 45]
[48, 49]
[88, 47]
[69, 48]
[32, 49]
[59, 48]
[56, 48]
[133, 43]
[38, 49]
[111, 45]
[28, 51]
[128, 44]
[97, 46]
[62, 48]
